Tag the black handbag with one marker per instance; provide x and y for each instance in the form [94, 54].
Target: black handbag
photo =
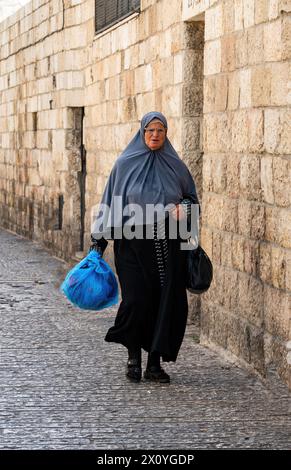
[199, 270]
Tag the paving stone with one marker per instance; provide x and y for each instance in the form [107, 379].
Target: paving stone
[63, 387]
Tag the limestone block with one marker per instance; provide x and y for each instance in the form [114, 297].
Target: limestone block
[152, 19]
[34, 177]
[218, 253]
[249, 13]
[73, 16]
[212, 57]
[213, 211]
[61, 160]
[280, 84]
[279, 267]
[241, 49]
[256, 130]
[59, 140]
[237, 253]
[165, 44]
[255, 46]
[239, 129]
[228, 55]
[42, 139]
[94, 93]
[171, 101]
[143, 78]
[277, 312]
[209, 94]
[233, 90]
[261, 11]
[233, 175]
[267, 182]
[286, 36]
[149, 50]
[209, 133]
[272, 130]
[207, 175]
[127, 84]
[288, 271]
[216, 291]
[228, 16]
[230, 215]
[219, 172]
[234, 334]
[133, 31]
[284, 228]
[74, 97]
[282, 178]
[176, 38]
[251, 257]
[250, 183]
[285, 131]
[191, 100]
[265, 267]
[258, 221]
[238, 15]
[221, 92]
[112, 90]
[178, 68]
[123, 133]
[32, 104]
[219, 328]
[191, 133]
[261, 86]
[272, 48]
[142, 53]
[166, 74]
[206, 240]
[250, 299]
[127, 109]
[193, 66]
[245, 88]
[284, 6]
[272, 222]
[173, 10]
[222, 137]
[174, 133]
[28, 139]
[213, 23]
[114, 64]
[75, 37]
[273, 9]
[43, 85]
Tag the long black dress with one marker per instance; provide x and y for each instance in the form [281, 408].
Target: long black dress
[154, 307]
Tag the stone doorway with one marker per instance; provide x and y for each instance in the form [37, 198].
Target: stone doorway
[76, 179]
[192, 120]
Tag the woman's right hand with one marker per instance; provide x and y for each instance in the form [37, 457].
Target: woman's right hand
[178, 213]
[98, 245]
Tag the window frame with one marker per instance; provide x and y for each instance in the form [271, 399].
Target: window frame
[117, 20]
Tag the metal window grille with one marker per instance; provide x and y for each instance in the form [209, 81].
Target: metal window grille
[109, 12]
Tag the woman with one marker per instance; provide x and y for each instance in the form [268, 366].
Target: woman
[151, 270]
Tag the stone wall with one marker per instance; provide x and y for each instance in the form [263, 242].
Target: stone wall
[69, 96]
[246, 180]
[52, 63]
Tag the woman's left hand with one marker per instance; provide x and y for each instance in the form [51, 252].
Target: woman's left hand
[178, 212]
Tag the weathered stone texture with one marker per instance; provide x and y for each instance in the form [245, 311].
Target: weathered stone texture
[224, 85]
[246, 178]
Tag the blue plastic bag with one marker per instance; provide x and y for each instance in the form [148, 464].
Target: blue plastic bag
[91, 284]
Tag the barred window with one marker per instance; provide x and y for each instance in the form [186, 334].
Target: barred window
[109, 12]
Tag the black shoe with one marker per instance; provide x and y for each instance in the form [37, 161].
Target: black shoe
[133, 370]
[156, 374]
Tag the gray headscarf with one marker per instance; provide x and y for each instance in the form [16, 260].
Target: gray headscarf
[143, 176]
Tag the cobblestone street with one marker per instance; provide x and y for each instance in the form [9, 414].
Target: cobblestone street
[64, 387]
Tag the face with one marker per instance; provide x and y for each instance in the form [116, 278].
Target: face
[155, 135]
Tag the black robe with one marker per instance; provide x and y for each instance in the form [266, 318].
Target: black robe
[150, 315]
